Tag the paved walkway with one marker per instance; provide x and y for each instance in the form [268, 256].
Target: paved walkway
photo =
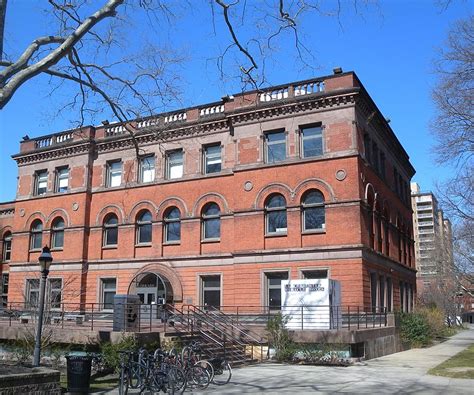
[400, 373]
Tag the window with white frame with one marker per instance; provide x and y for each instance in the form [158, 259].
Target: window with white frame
[275, 214]
[389, 294]
[212, 159]
[275, 146]
[312, 206]
[147, 169]
[144, 227]
[311, 141]
[108, 287]
[172, 221]
[211, 291]
[211, 221]
[57, 237]
[114, 173]
[373, 291]
[36, 235]
[273, 289]
[55, 292]
[110, 231]
[174, 164]
[62, 179]
[7, 246]
[41, 182]
[32, 292]
[5, 280]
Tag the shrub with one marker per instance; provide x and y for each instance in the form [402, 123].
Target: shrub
[279, 337]
[414, 329]
[111, 352]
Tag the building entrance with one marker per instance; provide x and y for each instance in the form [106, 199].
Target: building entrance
[151, 288]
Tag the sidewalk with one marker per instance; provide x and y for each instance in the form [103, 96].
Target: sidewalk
[401, 373]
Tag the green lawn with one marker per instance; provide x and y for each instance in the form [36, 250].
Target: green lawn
[461, 366]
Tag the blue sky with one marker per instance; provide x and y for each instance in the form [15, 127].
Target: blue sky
[390, 46]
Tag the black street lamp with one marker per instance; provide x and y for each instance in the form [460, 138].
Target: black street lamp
[45, 260]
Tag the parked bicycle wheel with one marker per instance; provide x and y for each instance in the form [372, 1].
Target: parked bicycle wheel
[207, 366]
[222, 373]
[197, 378]
[123, 386]
[136, 374]
[176, 380]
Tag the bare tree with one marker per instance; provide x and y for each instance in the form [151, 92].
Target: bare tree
[453, 127]
[88, 49]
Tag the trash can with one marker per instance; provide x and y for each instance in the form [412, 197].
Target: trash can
[78, 372]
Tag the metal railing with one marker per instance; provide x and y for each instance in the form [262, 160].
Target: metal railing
[234, 321]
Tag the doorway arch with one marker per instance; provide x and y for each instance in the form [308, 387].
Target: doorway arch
[158, 280]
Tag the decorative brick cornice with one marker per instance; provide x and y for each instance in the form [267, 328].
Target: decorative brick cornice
[63, 151]
[294, 106]
[155, 134]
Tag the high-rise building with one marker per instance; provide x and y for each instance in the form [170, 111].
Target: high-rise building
[432, 234]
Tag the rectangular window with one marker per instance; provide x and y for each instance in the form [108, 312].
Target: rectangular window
[114, 173]
[389, 294]
[62, 179]
[373, 291]
[275, 146]
[314, 274]
[212, 159]
[382, 165]
[147, 169]
[41, 182]
[312, 141]
[32, 292]
[211, 291]
[402, 297]
[273, 285]
[381, 293]
[174, 164]
[5, 279]
[55, 292]
[108, 291]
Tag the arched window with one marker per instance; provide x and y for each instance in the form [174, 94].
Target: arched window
[211, 221]
[144, 227]
[57, 237]
[36, 235]
[275, 214]
[172, 225]
[313, 210]
[7, 246]
[110, 230]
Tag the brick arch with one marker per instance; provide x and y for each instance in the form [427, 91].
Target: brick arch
[141, 205]
[173, 201]
[270, 189]
[5, 229]
[111, 208]
[34, 216]
[207, 198]
[315, 183]
[370, 195]
[163, 270]
[59, 212]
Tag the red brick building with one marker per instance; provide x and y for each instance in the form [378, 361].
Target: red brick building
[219, 203]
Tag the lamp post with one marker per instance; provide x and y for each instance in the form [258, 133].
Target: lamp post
[45, 260]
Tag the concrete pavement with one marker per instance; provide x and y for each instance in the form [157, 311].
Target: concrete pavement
[400, 373]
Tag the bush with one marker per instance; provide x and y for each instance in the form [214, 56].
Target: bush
[279, 337]
[111, 352]
[414, 329]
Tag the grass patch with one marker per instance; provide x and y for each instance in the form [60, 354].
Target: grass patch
[461, 366]
[98, 383]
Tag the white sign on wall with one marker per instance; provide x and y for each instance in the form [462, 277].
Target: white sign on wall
[311, 304]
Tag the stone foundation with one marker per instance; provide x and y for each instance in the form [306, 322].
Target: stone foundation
[36, 381]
